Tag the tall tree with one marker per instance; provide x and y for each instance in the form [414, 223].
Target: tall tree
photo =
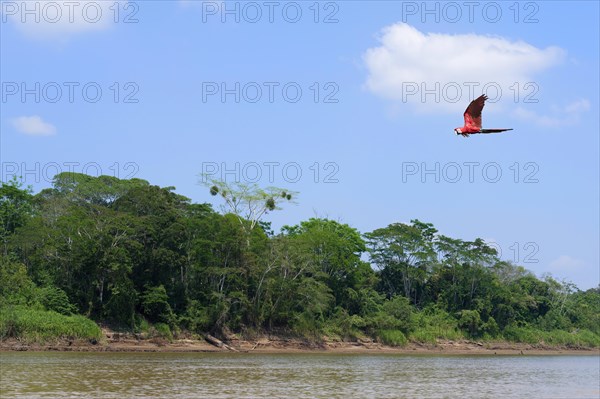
[248, 202]
[15, 209]
[404, 254]
[335, 251]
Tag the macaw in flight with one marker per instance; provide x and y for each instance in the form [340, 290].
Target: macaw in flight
[473, 119]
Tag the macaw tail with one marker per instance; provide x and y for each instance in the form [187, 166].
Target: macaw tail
[494, 130]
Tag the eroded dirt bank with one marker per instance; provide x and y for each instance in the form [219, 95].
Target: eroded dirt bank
[117, 342]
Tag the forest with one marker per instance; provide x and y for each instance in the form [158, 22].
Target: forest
[95, 251]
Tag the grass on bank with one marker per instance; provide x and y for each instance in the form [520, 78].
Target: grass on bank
[576, 339]
[34, 325]
[392, 337]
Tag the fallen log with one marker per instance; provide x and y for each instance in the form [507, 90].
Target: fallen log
[218, 343]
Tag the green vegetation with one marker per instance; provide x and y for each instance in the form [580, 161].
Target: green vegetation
[145, 259]
[392, 337]
[34, 325]
[574, 339]
[163, 331]
[433, 324]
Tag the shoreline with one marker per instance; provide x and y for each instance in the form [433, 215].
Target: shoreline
[295, 346]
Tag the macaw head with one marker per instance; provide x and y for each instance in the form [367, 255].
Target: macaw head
[457, 131]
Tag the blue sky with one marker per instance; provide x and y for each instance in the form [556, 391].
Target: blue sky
[367, 94]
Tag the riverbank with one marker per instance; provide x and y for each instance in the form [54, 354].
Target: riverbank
[115, 342]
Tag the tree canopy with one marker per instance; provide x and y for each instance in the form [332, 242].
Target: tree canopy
[128, 253]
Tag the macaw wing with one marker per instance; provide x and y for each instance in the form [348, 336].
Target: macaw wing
[472, 114]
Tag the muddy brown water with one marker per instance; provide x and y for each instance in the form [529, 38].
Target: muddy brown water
[216, 375]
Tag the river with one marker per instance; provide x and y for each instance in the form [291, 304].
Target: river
[211, 375]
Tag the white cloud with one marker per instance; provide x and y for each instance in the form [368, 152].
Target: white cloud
[565, 263]
[407, 59]
[565, 116]
[33, 126]
[61, 19]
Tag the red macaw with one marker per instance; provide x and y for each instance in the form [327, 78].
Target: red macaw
[473, 119]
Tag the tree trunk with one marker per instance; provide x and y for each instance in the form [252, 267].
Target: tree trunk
[218, 343]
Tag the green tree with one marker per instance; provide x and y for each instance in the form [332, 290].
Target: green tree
[125, 251]
[404, 255]
[248, 202]
[334, 251]
[15, 209]
[16, 287]
[155, 305]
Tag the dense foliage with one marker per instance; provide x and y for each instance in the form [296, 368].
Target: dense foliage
[131, 254]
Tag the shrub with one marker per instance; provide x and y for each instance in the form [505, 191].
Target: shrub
[163, 331]
[554, 320]
[141, 325]
[470, 320]
[589, 338]
[196, 317]
[490, 328]
[392, 337]
[307, 326]
[156, 306]
[16, 288]
[55, 299]
[344, 326]
[521, 334]
[434, 323]
[399, 308]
